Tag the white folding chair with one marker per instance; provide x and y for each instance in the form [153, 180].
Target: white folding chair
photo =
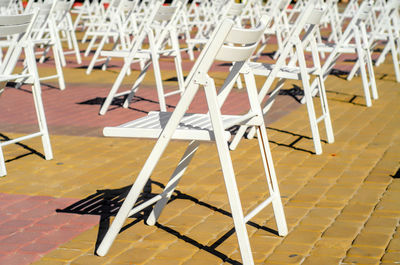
[65, 29]
[83, 13]
[387, 31]
[211, 15]
[114, 23]
[279, 26]
[44, 35]
[296, 69]
[159, 29]
[165, 126]
[7, 7]
[119, 28]
[355, 30]
[18, 27]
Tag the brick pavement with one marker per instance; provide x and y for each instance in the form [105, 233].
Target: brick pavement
[341, 206]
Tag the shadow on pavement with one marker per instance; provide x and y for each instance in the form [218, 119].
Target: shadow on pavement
[106, 203]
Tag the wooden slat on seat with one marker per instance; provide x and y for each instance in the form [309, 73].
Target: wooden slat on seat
[191, 127]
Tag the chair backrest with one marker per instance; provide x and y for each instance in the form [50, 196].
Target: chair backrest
[45, 9]
[234, 9]
[18, 27]
[361, 16]
[4, 4]
[166, 13]
[308, 20]
[227, 43]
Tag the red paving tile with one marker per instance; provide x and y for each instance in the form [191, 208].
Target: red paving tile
[30, 232]
[19, 258]
[75, 110]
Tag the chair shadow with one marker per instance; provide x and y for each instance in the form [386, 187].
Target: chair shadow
[22, 88]
[397, 174]
[32, 151]
[110, 67]
[339, 73]
[351, 100]
[118, 102]
[293, 92]
[106, 204]
[299, 137]
[269, 54]
[173, 79]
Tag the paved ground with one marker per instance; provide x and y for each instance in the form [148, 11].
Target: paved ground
[341, 206]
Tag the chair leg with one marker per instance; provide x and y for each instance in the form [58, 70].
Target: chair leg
[272, 181]
[266, 155]
[368, 60]
[58, 63]
[238, 136]
[3, 170]
[364, 78]
[371, 74]
[96, 55]
[74, 42]
[173, 182]
[382, 56]
[395, 59]
[159, 85]
[89, 47]
[123, 212]
[309, 100]
[354, 70]
[59, 48]
[36, 91]
[135, 86]
[325, 110]
[114, 89]
[177, 59]
[229, 175]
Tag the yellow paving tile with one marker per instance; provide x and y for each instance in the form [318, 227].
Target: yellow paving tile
[340, 206]
[365, 252]
[317, 260]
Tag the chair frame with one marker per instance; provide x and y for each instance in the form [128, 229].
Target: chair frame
[178, 125]
[21, 25]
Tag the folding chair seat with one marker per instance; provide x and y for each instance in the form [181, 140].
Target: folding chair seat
[361, 47]
[165, 126]
[296, 69]
[18, 28]
[159, 29]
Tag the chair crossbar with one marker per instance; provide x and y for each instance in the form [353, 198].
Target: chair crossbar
[321, 118]
[123, 93]
[259, 208]
[49, 77]
[172, 93]
[145, 204]
[4, 78]
[22, 138]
